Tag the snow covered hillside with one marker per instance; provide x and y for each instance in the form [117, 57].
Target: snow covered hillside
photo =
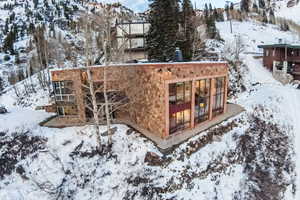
[61, 23]
[283, 10]
[283, 101]
[248, 157]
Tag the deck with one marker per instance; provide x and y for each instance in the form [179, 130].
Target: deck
[163, 144]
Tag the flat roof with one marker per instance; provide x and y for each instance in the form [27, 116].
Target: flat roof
[145, 64]
[291, 46]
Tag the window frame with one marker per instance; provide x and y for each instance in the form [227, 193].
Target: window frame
[202, 114]
[219, 97]
[180, 107]
[62, 96]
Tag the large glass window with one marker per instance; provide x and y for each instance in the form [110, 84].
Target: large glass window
[63, 91]
[218, 97]
[180, 106]
[202, 99]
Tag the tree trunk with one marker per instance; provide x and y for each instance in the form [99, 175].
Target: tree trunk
[95, 107]
[91, 85]
[107, 113]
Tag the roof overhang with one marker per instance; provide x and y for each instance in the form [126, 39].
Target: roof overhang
[279, 46]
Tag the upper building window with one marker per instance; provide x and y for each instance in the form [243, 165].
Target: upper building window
[63, 91]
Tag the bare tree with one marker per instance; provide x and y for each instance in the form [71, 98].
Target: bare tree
[239, 46]
[233, 50]
[100, 25]
[90, 82]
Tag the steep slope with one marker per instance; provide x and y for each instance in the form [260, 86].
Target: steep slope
[288, 10]
[61, 21]
[283, 101]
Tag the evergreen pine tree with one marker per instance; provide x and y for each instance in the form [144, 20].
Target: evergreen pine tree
[255, 7]
[17, 58]
[226, 8]
[12, 17]
[215, 14]
[6, 27]
[8, 45]
[31, 28]
[1, 85]
[265, 18]
[210, 8]
[211, 28]
[10, 40]
[35, 2]
[206, 12]
[272, 17]
[188, 26]
[261, 4]
[245, 5]
[46, 3]
[218, 16]
[284, 26]
[162, 35]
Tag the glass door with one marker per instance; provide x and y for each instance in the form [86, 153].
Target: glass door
[180, 106]
[218, 96]
[202, 100]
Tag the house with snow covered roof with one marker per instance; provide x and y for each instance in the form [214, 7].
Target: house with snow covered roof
[282, 58]
[167, 102]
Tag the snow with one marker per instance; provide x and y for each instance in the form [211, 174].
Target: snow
[109, 176]
[142, 64]
[291, 13]
[282, 100]
[130, 150]
[254, 34]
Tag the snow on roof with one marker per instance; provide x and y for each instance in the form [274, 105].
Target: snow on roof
[292, 46]
[143, 64]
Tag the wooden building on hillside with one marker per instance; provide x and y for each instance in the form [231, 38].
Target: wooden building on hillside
[282, 57]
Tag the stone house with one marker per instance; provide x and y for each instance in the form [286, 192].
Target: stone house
[161, 100]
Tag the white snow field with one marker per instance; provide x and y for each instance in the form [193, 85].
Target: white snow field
[270, 93]
[291, 13]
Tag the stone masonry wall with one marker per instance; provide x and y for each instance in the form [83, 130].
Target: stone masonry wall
[146, 87]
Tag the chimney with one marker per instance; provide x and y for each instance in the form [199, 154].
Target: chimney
[178, 55]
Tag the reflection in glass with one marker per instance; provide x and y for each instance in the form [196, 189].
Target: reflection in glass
[180, 106]
[202, 94]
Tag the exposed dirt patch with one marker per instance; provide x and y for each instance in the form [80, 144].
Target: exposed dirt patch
[267, 153]
[15, 147]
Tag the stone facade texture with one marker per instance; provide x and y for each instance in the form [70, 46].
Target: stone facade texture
[146, 86]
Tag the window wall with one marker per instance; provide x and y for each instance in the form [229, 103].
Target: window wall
[208, 102]
[202, 100]
[63, 91]
[180, 106]
[218, 97]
